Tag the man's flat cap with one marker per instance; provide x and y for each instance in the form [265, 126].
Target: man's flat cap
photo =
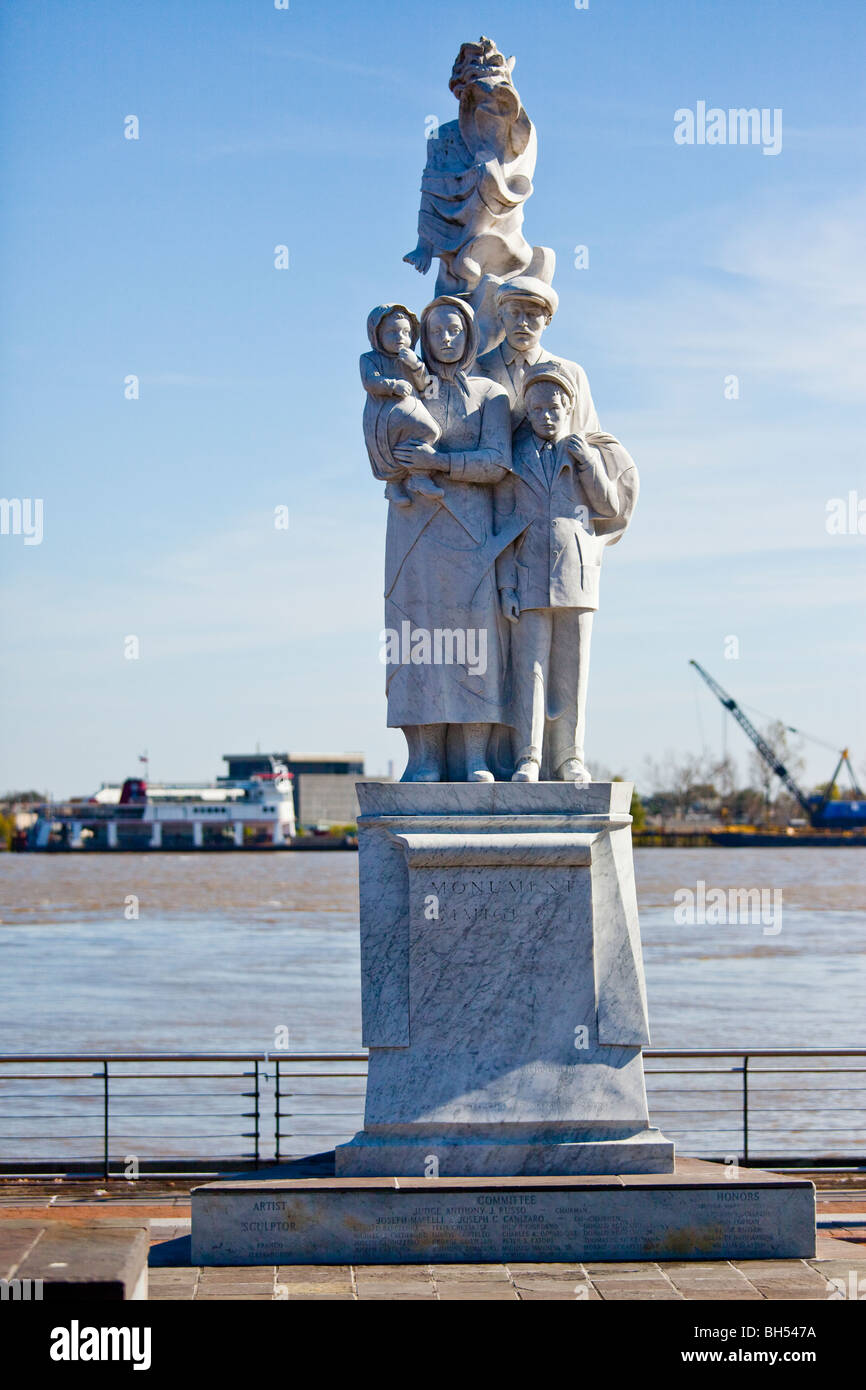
[529, 287]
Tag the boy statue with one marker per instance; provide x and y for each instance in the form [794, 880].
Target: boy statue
[576, 493]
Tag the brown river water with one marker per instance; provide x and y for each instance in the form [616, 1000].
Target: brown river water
[227, 948]
[244, 951]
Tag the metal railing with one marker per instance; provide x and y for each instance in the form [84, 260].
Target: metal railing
[754, 1112]
[132, 1114]
[113, 1111]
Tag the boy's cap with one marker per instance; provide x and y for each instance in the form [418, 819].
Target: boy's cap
[529, 287]
[550, 371]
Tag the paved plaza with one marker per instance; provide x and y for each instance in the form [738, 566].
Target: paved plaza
[164, 1210]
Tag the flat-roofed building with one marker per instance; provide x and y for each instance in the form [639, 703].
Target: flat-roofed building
[324, 783]
[327, 798]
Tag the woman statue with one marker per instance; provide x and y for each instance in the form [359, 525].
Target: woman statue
[446, 645]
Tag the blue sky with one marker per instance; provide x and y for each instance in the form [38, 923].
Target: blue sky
[305, 127]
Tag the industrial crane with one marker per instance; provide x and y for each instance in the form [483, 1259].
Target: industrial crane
[823, 813]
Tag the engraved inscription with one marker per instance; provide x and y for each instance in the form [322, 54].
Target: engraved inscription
[485, 898]
[553, 1224]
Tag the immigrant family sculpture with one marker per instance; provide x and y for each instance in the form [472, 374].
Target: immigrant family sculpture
[503, 491]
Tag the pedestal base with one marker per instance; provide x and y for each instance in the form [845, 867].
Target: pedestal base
[368, 1156]
[700, 1212]
[504, 1002]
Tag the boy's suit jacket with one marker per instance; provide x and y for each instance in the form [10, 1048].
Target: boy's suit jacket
[570, 516]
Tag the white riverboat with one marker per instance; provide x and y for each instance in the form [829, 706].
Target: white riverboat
[229, 812]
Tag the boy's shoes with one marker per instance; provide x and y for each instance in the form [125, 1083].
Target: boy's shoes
[527, 771]
[573, 770]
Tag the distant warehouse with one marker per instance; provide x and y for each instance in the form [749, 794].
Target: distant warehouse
[324, 783]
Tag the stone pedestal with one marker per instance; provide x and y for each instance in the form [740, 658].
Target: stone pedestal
[503, 992]
[703, 1211]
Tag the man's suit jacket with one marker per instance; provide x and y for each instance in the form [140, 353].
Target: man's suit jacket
[556, 561]
[493, 364]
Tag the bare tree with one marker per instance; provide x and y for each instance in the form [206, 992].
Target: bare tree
[786, 750]
[678, 776]
[723, 776]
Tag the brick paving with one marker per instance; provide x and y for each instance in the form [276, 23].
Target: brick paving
[680, 1280]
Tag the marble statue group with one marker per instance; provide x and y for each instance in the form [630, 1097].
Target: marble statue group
[503, 491]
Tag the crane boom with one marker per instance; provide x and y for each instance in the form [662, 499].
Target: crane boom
[760, 743]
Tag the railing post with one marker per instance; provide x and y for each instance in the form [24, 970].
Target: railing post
[105, 1118]
[745, 1108]
[277, 1110]
[257, 1115]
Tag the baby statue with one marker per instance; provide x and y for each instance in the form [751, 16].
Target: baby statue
[395, 380]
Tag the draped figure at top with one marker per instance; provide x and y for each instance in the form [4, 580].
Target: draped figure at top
[477, 177]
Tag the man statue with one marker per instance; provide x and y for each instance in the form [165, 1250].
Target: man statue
[525, 306]
[575, 491]
[477, 177]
